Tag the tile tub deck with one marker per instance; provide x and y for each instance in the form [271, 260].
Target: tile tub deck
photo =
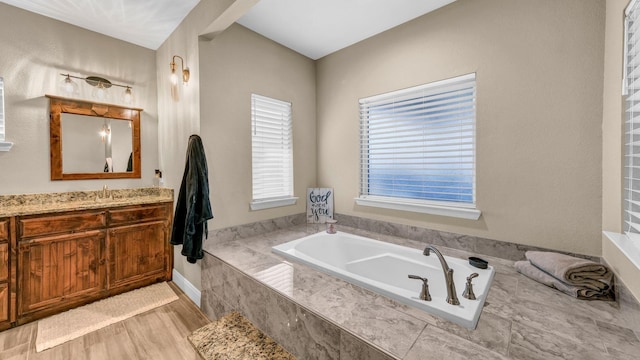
[317, 316]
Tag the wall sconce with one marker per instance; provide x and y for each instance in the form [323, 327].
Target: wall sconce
[185, 71]
[100, 91]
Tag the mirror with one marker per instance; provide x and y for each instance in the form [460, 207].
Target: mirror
[93, 140]
[93, 144]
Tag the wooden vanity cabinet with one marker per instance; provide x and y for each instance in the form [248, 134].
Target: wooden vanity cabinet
[7, 275]
[139, 251]
[61, 261]
[69, 259]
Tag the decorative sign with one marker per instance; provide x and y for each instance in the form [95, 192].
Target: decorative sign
[319, 205]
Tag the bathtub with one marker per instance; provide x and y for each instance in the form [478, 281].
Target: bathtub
[383, 268]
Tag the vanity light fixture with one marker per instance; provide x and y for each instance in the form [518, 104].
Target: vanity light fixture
[185, 71]
[100, 92]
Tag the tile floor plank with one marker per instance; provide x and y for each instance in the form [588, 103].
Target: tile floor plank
[160, 333]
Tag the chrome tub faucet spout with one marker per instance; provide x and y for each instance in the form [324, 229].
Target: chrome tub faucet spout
[452, 298]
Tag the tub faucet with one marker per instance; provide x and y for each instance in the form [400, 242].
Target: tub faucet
[452, 298]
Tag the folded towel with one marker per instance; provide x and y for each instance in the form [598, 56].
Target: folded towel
[526, 268]
[572, 270]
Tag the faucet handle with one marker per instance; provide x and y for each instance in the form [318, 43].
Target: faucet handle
[424, 294]
[468, 289]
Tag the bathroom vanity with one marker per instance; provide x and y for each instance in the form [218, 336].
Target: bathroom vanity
[57, 256]
[5, 295]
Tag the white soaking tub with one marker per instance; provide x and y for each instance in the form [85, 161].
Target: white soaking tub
[383, 268]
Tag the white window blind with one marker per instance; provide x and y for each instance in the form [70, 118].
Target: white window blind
[632, 120]
[272, 151]
[418, 144]
[4, 145]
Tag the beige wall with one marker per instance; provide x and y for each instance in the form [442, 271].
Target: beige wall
[612, 147]
[235, 64]
[223, 72]
[178, 120]
[539, 110]
[34, 51]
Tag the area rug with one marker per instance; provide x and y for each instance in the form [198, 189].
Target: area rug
[232, 337]
[74, 323]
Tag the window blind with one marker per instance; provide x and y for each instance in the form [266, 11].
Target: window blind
[272, 151]
[419, 143]
[631, 201]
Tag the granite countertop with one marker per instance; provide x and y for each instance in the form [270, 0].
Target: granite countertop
[234, 337]
[522, 319]
[30, 204]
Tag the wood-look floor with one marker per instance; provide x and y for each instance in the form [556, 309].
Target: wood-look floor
[160, 333]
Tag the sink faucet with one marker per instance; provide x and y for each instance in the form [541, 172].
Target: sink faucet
[452, 298]
[106, 194]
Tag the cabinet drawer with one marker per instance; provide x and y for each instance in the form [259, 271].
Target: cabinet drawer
[137, 214]
[66, 223]
[4, 230]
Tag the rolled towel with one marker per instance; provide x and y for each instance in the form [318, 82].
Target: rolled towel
[526, 268]
[572, 270]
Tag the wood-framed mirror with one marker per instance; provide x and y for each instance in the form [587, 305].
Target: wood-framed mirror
[91, 140]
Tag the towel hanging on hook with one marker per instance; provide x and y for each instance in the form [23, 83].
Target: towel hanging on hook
[193, 208]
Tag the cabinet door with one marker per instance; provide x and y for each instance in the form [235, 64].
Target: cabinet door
[4, 303]
[137, 253]
[7, 302]
[61, 271]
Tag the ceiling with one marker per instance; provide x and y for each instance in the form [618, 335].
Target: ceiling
[314, 28]
[147, 23]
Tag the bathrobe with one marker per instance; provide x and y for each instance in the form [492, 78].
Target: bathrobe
[193, 208]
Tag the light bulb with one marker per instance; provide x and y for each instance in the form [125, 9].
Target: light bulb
[68, 86]
[127, 97]
[174, 78]
[100, 92]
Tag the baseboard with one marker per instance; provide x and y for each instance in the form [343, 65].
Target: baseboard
[191, 291]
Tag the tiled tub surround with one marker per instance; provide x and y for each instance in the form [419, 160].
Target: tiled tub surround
[28, 204]
[316, 316]
[386, 268]
[475, 244]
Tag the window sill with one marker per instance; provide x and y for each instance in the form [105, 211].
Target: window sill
[630, 247]
[267, 204]
[420, 207]
[5, 146]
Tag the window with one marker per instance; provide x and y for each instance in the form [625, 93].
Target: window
[631, 88]
[4, 146]
[417, 149]
[272, 153]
